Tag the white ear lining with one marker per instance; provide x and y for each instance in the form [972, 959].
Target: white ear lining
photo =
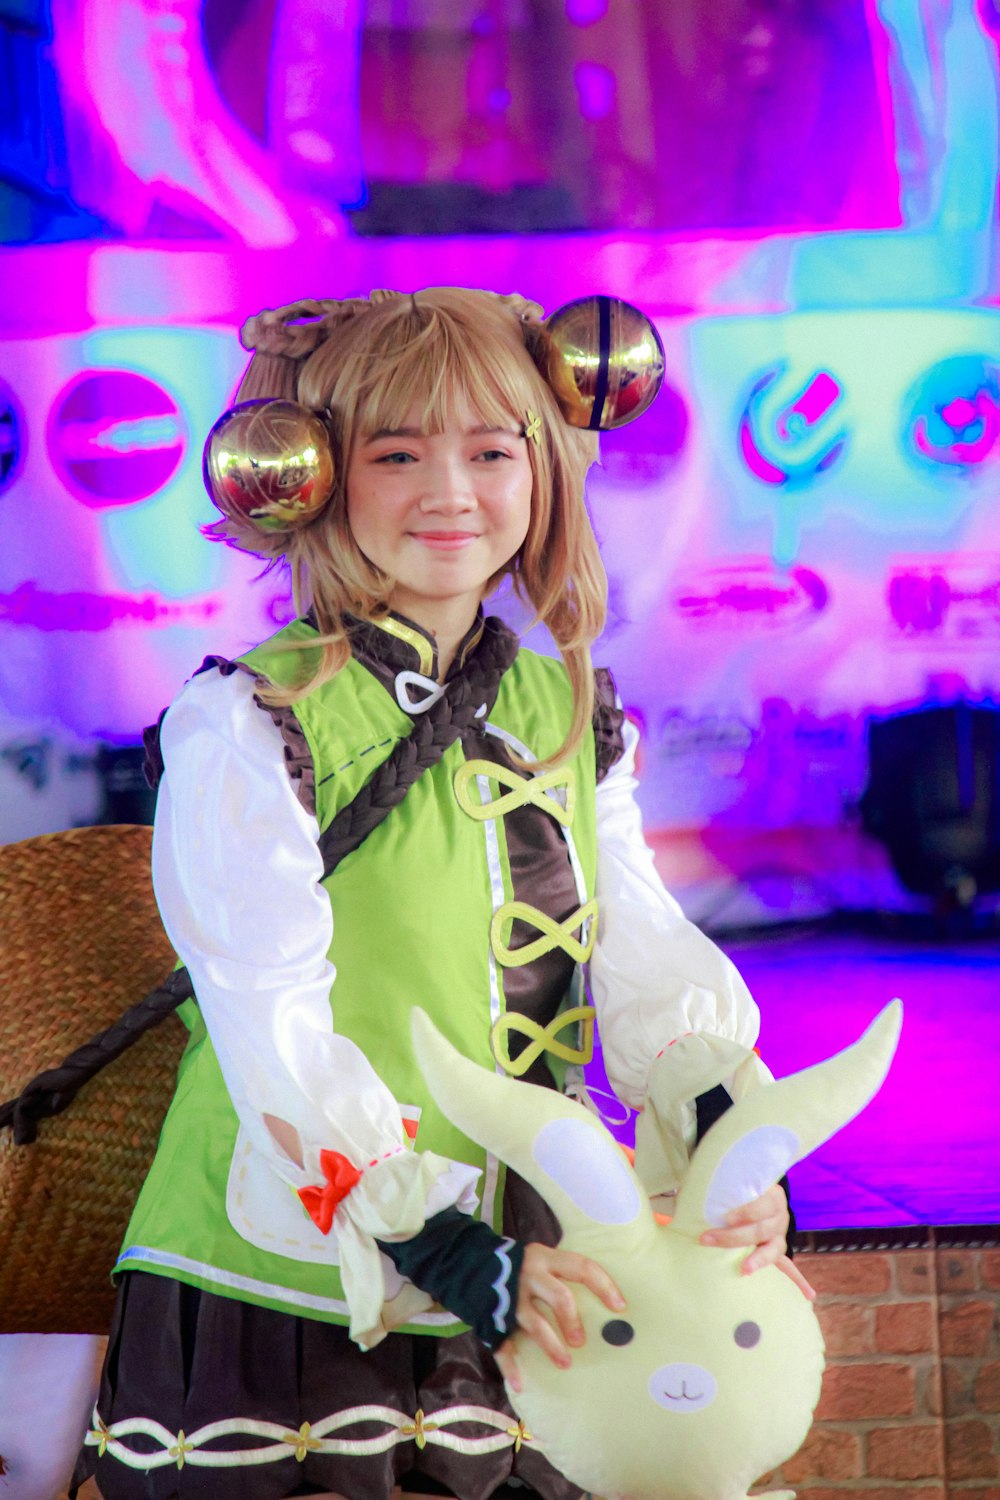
[748, 1169]
[589, 1168]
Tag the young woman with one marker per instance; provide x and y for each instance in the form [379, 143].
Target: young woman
[390, 804]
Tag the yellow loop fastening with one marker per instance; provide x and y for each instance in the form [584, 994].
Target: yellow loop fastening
[543, 1039]
[524, 789]
[554, 934]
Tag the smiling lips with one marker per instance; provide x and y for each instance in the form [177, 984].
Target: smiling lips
[446, 541]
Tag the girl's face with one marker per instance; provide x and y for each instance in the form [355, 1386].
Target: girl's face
[441, 514]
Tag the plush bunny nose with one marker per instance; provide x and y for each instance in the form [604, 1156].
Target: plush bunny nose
[681, 1387]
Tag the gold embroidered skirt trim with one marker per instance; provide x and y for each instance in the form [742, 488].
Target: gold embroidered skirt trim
[182, 1448]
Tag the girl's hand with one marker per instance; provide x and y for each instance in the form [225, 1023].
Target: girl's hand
[763, 1224]
[545, 1281]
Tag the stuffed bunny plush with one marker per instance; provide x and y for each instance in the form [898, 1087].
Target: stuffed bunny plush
[709, 1378]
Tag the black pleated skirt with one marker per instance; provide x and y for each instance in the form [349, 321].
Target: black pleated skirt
[266, 1386]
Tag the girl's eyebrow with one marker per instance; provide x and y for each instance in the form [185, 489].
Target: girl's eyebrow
[415, 432]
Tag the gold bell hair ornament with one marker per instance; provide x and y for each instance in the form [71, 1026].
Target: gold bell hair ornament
[270, 463]
[604, 360]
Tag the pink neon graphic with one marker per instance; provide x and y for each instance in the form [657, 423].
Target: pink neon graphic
[791, 444]
[115, 437]
[586, 12]
[982, 412]
[80, 610]
[955, 598]
[757, 589]
[140, 89]
[816, 400]
[919, 604]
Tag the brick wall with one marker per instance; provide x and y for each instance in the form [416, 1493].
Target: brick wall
[910, 1408]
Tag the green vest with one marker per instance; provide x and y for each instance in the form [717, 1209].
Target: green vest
[413, 911]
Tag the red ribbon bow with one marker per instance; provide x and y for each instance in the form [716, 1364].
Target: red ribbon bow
[321, 1203]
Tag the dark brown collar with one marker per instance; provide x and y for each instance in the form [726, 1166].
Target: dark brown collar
[391, 643]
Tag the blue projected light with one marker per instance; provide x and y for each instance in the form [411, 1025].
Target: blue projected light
[154, 540]
[951, 416]
[850, 424]
[12, 439]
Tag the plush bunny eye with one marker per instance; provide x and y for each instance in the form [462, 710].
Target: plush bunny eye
[747, 1335]
[618, 1332]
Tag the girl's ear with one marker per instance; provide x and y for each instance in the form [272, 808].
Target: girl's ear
[554, 1143]
[755, 1142]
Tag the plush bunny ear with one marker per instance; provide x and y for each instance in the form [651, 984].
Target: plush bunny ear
[554, 1143]
[756, 1141]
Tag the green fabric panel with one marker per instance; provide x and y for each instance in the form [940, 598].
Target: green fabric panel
[277, 1303]
[413, 903]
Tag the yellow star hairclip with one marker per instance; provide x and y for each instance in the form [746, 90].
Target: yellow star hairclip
[533, 427]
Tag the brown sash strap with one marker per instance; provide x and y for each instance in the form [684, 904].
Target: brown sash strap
[51, 1092]
[433, 733]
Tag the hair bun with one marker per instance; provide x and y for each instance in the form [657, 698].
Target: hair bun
[523, 308]
[270, 463]
[604, 360]
[299, 328]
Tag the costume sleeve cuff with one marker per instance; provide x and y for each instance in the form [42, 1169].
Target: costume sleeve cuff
[468, 1268]
[387, 1200]
[687, 1071]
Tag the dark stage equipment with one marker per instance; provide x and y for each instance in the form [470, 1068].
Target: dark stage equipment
[933, 799]
[126, 794]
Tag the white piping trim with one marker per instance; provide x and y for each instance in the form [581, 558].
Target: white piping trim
[500, 1285]
[433, 691]
[145, 1255]
[312, 1437]
[498, 896]
[510, 739]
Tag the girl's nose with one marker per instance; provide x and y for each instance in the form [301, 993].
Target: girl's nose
[448, 489]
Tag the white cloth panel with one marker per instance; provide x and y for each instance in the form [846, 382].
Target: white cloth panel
[236, 869]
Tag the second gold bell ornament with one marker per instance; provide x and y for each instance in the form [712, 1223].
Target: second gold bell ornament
[271, 463]
[604, 361]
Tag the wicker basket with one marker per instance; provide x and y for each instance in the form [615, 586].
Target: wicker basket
[80, 941]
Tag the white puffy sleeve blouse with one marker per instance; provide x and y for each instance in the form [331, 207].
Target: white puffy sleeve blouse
[257, 949]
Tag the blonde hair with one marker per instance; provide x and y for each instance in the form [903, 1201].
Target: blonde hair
[362, 360]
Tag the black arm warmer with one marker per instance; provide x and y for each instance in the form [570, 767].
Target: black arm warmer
[711, 1107]
[465, 1266]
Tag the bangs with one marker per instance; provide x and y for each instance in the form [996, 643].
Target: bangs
[432, 360]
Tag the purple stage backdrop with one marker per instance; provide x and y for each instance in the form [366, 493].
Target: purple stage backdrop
[800, 534]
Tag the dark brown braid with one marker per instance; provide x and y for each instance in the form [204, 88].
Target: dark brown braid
[434, 732]
[51, 1092]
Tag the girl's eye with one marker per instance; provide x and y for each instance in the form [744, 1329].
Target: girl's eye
[491, 454]
[395, 458]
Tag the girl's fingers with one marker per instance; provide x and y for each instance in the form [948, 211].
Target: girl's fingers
[758, 1233]
[546, 1286]
[757, 1223]
[578, 1268]
[767, 1254]
[788, 1268]
[536, 1325]
[555, 1294]
[506, 1361]
[770, 1205]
